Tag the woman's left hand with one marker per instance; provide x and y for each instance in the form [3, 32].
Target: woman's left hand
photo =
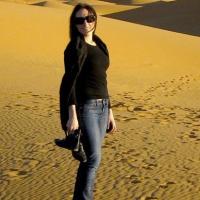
[111, 122]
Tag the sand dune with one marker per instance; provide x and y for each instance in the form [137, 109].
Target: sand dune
[154, 83]
[51, 4]
[101, 7]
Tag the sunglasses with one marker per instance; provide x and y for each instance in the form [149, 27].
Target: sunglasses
[89, 19]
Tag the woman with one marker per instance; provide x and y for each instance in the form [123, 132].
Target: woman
[84, 98]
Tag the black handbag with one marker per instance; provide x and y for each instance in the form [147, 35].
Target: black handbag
[72, 142]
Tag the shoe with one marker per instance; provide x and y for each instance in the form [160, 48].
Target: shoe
[61, 143]
[70, 142]
[80, 154]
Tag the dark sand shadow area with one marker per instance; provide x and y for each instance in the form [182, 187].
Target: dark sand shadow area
[182, 16]
[42, 3]
[124, 2]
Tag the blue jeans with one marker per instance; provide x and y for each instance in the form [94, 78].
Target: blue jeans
[93, 119]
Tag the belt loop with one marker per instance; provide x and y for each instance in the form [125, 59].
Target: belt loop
[102, 103]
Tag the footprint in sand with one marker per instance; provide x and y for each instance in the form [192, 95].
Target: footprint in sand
[197, 116]
[30, 163]
[149, 166]
[192, 135]
[130, 119]
[35, 95]
[13, 174]
[171, 87]
[8, 107]
[139, 108]
[136, 181]
[166, 184]
[119, 106]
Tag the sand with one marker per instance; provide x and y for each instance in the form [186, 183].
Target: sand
[154, 84]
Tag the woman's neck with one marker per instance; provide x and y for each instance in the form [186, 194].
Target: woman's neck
[89, 38]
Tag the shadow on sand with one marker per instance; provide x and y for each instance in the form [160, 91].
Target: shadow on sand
[39, 3]
[120, 2]
[182, 16]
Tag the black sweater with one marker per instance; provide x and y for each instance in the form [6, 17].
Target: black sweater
[75, 56]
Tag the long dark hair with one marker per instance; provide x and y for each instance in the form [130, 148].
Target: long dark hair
[73, 32]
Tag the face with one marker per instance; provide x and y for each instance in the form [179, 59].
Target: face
[85, 22]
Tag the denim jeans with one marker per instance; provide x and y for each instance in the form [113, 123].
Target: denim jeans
[93, 119]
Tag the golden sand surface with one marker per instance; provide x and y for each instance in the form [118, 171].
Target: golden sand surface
[154, 84]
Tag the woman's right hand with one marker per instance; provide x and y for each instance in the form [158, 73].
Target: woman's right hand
[72, 123]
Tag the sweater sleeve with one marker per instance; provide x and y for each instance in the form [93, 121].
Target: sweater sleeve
[69, 57]
[72, 98]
